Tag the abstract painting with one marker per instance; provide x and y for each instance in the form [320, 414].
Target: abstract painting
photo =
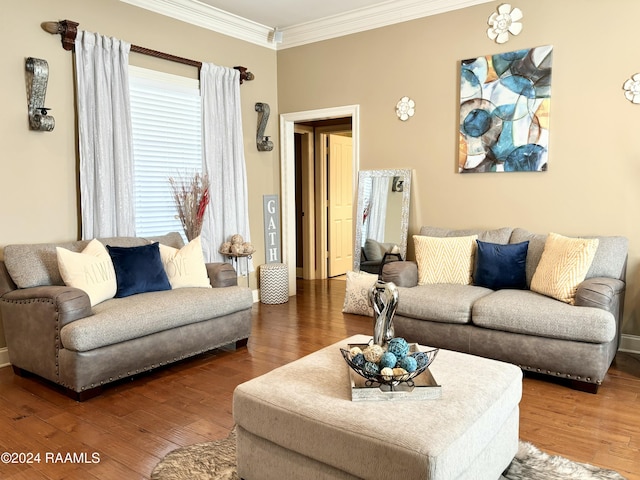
[504, 111]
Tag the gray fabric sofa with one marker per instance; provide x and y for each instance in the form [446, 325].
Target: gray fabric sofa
[538, 333]
[53, 332]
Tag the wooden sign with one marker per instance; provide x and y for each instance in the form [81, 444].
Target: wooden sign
[271, 206]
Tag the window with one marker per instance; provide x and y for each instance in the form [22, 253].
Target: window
[166, 117]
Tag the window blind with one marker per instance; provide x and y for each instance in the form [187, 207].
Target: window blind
[166, 117]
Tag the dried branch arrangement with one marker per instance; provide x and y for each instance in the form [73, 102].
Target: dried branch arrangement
[191, 197]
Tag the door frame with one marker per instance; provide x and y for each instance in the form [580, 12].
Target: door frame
[288, 176]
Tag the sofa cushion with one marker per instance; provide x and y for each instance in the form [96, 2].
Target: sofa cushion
[501, 266]
[185, 267]
[563, 266]
[609, 261]
[91, 271]
[121, 319]
[374, 251]
[498, 235]
[527, 312]
[33, 265]
[445, 260]
[446, 303]
[138, 269]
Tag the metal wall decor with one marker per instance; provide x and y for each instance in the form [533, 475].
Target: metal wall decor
[405, 108]
[631, 88]
[504, 22]
[263, 143]
[37, 77]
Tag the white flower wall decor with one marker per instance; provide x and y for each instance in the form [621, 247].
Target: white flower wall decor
[632, 88]
[504, 22]
[405, 108]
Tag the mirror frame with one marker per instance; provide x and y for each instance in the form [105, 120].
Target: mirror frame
[404, 217]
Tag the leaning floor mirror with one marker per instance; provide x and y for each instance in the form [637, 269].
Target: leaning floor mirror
[382, 217]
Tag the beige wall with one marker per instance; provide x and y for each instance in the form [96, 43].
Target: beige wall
[592, 186]
[39, 169]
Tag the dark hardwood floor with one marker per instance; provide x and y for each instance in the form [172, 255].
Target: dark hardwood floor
[134, 423]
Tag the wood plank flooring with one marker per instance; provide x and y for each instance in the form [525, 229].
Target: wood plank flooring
[134, 423]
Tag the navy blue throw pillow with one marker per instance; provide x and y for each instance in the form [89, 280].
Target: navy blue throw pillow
[501, 266]
[138, 269]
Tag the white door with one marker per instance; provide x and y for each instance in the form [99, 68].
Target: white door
[340, 205]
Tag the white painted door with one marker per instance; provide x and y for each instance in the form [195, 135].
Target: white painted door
[340, 205]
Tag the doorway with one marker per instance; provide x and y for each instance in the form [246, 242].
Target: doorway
[288, 123]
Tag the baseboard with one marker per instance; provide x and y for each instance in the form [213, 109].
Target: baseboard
[4, 357]
[256, 295]
[630, 343]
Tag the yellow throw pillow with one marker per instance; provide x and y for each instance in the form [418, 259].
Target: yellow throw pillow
[445, 259]
[563, 266]
[91, 270]
[185, 267]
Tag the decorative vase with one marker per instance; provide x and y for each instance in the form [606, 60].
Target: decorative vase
[384, 297]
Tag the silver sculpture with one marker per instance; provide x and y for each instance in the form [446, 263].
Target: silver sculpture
[384, 297]
[263, 143]
[37, 77]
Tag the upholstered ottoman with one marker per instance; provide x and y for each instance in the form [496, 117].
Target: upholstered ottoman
[298, 421]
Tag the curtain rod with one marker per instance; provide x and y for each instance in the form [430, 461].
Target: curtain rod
[68, 31]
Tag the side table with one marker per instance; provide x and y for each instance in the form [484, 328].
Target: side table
[236, 262]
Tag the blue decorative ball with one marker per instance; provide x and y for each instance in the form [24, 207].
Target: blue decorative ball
[398, 346]
[358, 360]
[388, 359]
[408, 363]
[371, 368]
[421, 359]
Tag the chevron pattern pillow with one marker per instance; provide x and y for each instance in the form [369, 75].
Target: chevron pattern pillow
[563, 266]
[445, 260]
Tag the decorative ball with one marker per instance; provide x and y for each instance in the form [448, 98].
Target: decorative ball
[358, 360]
[248, 248]
[408, 363]
[354, 351]
[237, 249]
[225, 248]
[421, 359]
[387, 373]
[398, 346]
[371, 368]
[388, 359]
[373, 353]
[237, 239]
[399, 373]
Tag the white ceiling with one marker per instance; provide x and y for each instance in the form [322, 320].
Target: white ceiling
[299, 21]
[287, 13]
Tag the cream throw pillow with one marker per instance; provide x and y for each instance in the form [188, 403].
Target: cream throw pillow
[185, 267]
[91, 270]
[563, 266]
[356, 298]
[445, 259]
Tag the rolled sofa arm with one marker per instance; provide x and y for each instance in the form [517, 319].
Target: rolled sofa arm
[221, 275]
[600, 292]
[32, 319]
[403, 274]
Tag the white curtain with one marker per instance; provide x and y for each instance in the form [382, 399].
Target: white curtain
[378, 211]
[224, 161]
[104, 128]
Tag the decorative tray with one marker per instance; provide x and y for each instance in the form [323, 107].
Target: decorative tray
[417, 385]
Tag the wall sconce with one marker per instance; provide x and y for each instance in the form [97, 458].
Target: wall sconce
[37, 77]
[263, 143]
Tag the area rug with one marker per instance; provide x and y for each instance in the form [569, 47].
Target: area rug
[217, 461]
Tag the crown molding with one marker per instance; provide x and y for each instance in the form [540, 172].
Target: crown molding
[211, 18]
[367, 18]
